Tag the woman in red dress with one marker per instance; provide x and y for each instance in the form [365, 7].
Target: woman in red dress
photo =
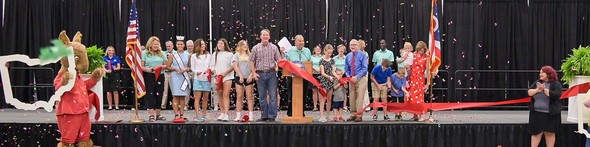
[418, 82]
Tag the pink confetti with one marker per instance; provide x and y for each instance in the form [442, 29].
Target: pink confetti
[141, 139]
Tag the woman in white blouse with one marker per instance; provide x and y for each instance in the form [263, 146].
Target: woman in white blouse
[222, 67]
[201, 85]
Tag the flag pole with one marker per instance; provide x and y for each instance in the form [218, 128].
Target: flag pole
[430, 74]
[136, 119]
[430, 86]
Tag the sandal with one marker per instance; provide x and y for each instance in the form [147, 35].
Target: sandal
[415, 118]
[152, 118]
[182, 116]
[160, 117]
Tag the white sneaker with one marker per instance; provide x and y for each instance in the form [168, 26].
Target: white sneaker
[216, 108]
[203, 118]
[323, 119]
[220, 118]
[238, 118]
[225, 117]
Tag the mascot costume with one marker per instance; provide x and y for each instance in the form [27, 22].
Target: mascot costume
[73, 109]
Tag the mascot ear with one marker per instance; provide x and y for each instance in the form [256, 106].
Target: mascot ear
[64, 37]
[77, 37]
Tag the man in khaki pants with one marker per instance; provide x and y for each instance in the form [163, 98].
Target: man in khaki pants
[356, 67]
[169, 49]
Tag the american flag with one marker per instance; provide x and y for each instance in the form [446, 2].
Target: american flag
[434, 40]
[133, 53]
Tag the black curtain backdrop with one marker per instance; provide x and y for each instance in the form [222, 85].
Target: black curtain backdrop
[296, 135]
[477, 35]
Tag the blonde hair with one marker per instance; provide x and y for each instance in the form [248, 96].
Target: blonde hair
[362, 44]
[328, 46]
[241, 50]
[106, 53]
[401, 68]
[408, 44]
[421, 46]
[149, 47]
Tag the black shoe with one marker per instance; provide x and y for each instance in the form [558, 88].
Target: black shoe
[398, 117]
[270, 120]
[386, 117]
[375, 117]
[262, 120]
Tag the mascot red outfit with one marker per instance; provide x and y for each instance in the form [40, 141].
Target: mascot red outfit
[72, 110]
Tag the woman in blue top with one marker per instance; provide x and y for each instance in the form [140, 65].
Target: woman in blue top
[179, 78]
[315, 59]
[399, 82]
[153, 57]
[111, 81]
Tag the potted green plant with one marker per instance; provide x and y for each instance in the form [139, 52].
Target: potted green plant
[576, 70]
[95, 55]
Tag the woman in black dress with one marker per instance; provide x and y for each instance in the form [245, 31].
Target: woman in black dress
[545, 108]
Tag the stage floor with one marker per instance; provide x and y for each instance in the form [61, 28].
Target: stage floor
[465, 128]
[442, 117]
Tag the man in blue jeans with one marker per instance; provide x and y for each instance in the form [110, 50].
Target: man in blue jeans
[263, 63]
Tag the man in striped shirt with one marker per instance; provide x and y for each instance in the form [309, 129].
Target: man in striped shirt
[263, 63]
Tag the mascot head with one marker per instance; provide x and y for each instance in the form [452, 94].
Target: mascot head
[80, 55]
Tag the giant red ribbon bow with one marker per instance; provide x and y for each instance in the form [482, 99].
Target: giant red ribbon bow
[420, 108]
[293, 68]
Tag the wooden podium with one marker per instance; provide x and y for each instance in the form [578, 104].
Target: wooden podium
[297, 99]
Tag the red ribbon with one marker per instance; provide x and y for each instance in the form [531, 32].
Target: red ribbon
[208, 72]
[219, 80]
[293, 68]
[93, 99]
[420, 108]
[343, 81]
[157, 71]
